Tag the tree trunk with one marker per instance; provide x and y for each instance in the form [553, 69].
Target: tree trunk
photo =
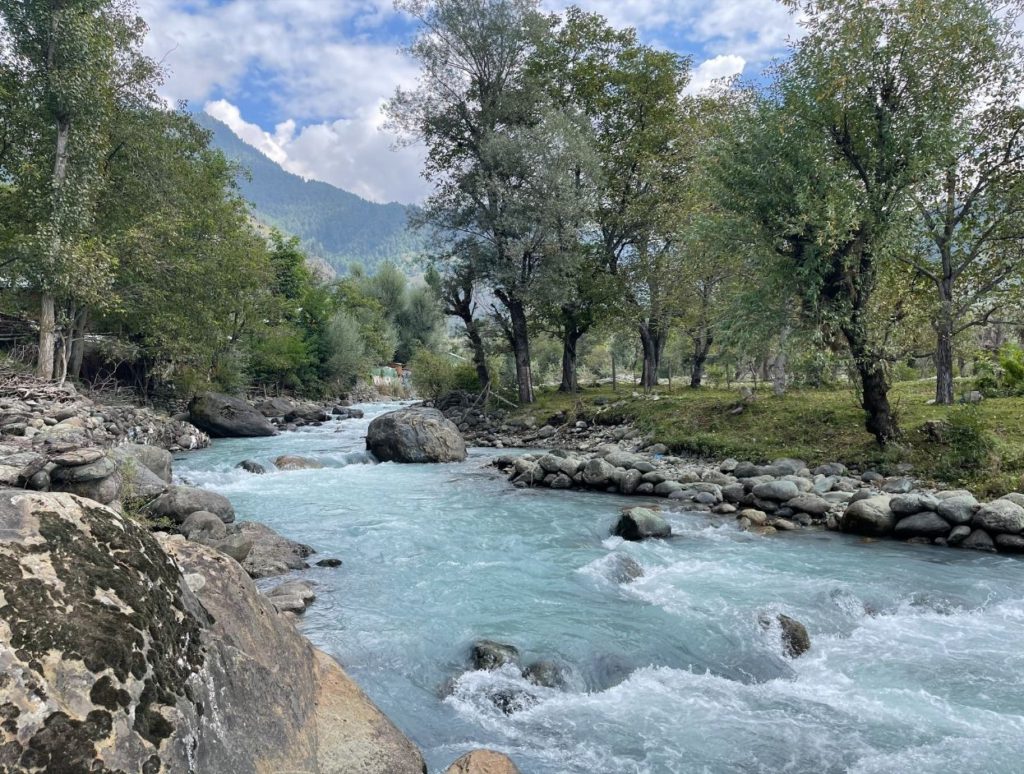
[652, 339]
[520, 340]
[701, 349]
[875, 394]
[879, 421]
[78, 343]
[459, 302]
[476, 343]
[779, 381]
[570, 337]
[944, 355]
[47, 336]
[778, 364]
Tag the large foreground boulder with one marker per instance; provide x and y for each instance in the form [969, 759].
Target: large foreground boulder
[415, 435]
[224, 416]
[124, 652]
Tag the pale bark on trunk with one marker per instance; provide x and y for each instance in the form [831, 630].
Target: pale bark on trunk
[944, 334]
[47, 336]
[47, 306]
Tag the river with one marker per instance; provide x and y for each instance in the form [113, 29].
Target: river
[916, 664]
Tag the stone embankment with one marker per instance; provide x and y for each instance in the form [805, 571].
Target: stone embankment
[785, 495]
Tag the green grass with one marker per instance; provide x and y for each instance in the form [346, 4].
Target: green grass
[814, 425]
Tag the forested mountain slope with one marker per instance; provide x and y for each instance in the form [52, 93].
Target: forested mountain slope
[333, 224]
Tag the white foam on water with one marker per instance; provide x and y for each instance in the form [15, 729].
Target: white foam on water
[915, 663]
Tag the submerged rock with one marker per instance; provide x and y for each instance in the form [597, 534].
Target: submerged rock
[224, 416]
[415, 435]
[624, 569]
[295, 462]
[795, 639]
[488, 654]
[483, 762]
[251, 466]
[547, 674]
[641, 523]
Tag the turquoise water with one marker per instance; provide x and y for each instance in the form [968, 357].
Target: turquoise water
[916, 664]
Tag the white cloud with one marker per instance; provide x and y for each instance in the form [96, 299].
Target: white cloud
[754, 29]
[351, 153]
[300, 55]
[270, 145]
[320, 70]
[324, 64]
[711, 70]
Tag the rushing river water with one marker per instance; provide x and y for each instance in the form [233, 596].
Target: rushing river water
[916, 665]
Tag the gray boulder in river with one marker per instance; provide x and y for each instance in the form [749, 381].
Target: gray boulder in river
[415, 435]
[125, 651]
[224, 416]
[641, 523]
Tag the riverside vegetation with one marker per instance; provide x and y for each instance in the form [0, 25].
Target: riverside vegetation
[847, 231]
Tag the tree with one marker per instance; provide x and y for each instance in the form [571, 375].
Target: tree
[971, 206]
[70, 66]
[826, 164]
[193, 281]
[629, 96]
[495, 154]
[457, 292]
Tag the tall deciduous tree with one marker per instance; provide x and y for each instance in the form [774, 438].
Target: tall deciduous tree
[70, 67]
[971, 207]
[827, 165]
[500, 160]
[630, 98]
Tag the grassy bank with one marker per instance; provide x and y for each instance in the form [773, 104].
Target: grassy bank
[982, 447]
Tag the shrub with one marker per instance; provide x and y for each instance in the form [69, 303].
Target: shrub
[433, 375]
[1001, 374]
[348, 359]
[965, 446]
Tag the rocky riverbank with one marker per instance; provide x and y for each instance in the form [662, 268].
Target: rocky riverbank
[133, 637]
[785, 495]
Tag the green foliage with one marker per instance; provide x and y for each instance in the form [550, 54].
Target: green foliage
[330, 223]
[1001, 373]
[965, 446]
[434, 375]
[348, 361]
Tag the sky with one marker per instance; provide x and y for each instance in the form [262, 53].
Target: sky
[304, 80]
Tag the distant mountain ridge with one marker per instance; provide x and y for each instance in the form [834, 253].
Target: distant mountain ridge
[332, 224]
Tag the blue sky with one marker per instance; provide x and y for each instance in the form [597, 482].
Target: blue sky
[304, 80]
